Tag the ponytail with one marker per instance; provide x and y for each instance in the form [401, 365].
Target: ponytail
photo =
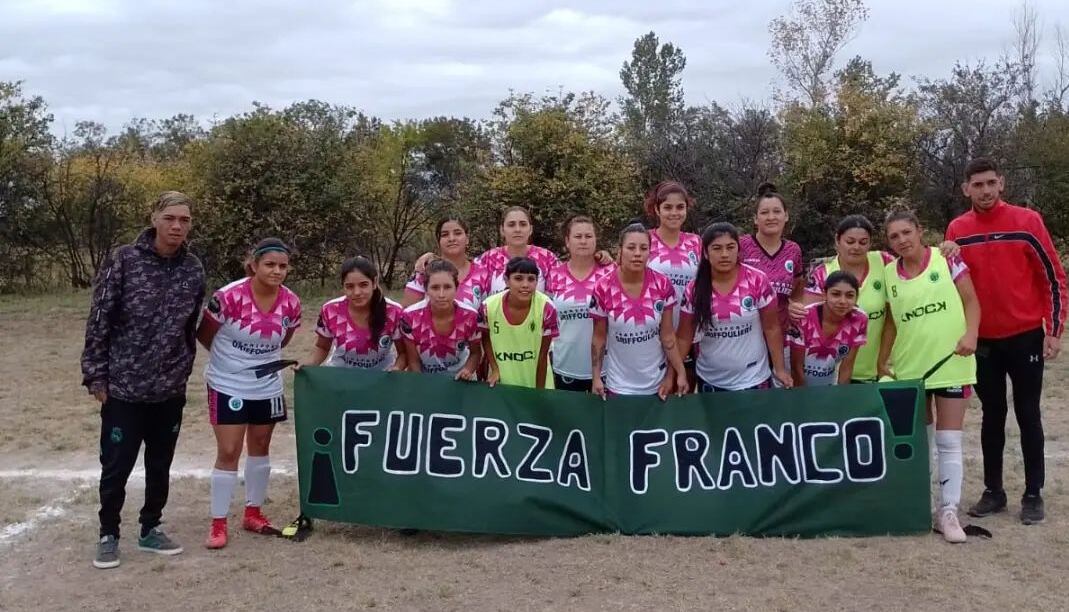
[702, 295]
[377, 306]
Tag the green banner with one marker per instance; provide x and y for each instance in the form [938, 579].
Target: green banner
[426, 452]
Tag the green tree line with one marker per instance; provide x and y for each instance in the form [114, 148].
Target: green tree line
[837, 138]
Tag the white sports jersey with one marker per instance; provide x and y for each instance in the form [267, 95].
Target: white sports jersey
[248, 337]
[571, 298]
[678, 263]
[441, 354]
[497, 258]
[634, 357]
[823, 353]
[352, 345]
[732, 353]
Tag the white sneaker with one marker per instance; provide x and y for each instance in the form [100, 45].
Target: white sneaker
[950, 527]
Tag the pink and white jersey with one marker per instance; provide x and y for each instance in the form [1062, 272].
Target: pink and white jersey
[473, 287]
[497, 258]
[438, 353]
[353, 346]
[956, 264]
[248, 337]
[571, 298]
[823, 353]
[678, 263]
[782, 269]
[732, 353]
[814, 283]
[634, 357]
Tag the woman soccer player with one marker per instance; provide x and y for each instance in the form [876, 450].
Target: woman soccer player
[632, 312]
[935, 321]
[516, 229]
[673, 252]
[830, 334]
[245, 325]
[570, 285]
[853, 239]
[442, 333]
[729, 310]
[453, 247]
[359, 329]
[518, 327]
[768, 251]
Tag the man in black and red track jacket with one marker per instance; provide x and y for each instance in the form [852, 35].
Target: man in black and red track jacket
[1022, 289]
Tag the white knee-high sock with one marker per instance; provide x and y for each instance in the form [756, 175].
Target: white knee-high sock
[223, 483]
[948, 441]
[257, 472]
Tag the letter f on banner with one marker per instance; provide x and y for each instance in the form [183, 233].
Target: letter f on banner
[355, 436]
[642, 459]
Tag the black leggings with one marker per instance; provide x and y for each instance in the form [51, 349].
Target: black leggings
[1020, 357]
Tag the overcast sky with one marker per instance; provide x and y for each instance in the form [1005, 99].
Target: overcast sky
[110, 60]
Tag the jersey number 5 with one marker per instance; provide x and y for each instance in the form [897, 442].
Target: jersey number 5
[497, 330]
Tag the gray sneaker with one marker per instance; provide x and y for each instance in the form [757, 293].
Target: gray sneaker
[107, 552]
[157, 542]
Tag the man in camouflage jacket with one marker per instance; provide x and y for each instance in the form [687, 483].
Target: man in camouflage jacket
[139, 349]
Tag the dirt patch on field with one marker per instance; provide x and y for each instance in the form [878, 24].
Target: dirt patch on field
[48, 459]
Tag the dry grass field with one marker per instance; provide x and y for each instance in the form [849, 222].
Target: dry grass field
[48, 471]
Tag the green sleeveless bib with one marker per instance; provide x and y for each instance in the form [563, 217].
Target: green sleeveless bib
[516, 347]
[930, 320]
[872, 299]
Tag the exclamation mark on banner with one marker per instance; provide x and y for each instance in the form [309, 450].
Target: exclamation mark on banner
[323, 490]
[901, 405]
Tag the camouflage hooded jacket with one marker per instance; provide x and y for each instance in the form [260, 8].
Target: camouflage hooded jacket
[140, 338]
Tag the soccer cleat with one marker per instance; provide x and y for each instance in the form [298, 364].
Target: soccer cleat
[217, 535]
[256, 522]
[107, 552]
[990, 503]
[950, 527]
[1032, 510]
[155, 541]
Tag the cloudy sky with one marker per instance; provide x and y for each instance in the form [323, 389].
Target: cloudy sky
[110, 60]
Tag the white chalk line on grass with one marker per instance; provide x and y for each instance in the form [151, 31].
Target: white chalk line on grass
[93, 474]
[85, 479]
[53, 509]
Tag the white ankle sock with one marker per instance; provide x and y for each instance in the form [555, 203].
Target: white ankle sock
[223, 483]
[948, 441]
[257, 472]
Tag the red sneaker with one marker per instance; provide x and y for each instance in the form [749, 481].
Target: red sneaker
[217, 535]
[256, 522]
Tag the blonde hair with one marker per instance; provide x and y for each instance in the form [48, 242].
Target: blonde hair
[171, 198]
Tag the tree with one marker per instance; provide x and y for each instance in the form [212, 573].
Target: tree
[805, 42]
[1025, 50]
[967, 115]
[655, 94]
[550, 157]
[855, 155]
[25, 145]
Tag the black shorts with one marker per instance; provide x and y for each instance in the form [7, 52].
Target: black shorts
[963, 392]
[226, 409]
[566, 383]
[704, 387]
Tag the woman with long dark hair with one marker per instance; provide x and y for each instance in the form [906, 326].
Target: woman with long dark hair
[730, 312]
[673, 252]
[359, 329]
